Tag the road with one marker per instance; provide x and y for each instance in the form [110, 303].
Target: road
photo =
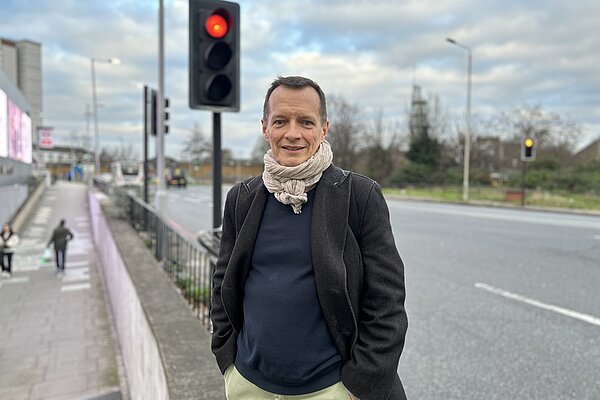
[191, 208]
[502, 303]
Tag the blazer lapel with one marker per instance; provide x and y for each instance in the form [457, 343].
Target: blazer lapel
[328, 235]
[248, 219]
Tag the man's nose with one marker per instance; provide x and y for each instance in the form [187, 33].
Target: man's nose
[293, 133]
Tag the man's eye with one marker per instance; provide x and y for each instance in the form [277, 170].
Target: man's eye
[307, 122]
[278, 122]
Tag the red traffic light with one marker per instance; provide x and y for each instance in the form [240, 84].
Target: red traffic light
[216, 26]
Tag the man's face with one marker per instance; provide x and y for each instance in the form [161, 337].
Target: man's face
[293, 127]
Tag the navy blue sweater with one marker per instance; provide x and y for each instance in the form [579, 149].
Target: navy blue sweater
[284, 346]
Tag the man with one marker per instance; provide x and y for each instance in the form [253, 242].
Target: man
[9, 240]
[308, 291]
[60, 237]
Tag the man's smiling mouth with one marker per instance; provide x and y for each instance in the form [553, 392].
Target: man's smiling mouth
[292, 148]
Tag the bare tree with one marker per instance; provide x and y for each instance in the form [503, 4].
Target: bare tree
[382, 144]
[556, 136]
[344, 131]
[197, 147]
[260, 148]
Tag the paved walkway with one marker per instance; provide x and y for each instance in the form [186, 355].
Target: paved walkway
[56, 334]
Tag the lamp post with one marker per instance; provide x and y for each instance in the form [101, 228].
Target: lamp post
[468, 132]
[93, 61]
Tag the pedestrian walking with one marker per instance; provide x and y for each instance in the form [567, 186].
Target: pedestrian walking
[60, 237]
[308, 290]
[9, 240]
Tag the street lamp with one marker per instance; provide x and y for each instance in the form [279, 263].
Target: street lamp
[468, 132]
[93, 60]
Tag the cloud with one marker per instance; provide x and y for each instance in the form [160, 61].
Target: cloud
[369, 52]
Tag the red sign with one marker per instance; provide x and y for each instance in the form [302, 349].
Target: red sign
[46, 141]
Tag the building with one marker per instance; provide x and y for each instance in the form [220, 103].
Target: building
[59, 160]
[21, 62]
[588, 154]
[16, 148]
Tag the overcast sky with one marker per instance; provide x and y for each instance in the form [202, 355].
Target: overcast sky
[369, 52]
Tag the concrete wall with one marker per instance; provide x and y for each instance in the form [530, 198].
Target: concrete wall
[166, 350]
[12, 171]
[11, 199]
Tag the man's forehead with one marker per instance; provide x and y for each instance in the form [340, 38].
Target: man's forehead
[300, 96]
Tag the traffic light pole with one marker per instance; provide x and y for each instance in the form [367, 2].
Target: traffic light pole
[217, 170]
[160, 132]
[146, 144]
[523, 173]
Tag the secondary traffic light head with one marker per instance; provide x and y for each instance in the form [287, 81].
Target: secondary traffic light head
[154, 110]
[528, 149]
[214, 55]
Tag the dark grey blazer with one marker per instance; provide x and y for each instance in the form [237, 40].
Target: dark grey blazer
[360, 280]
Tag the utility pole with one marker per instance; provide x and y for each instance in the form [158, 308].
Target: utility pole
[160, 129]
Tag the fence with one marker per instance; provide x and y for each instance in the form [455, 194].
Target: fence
[186, 262]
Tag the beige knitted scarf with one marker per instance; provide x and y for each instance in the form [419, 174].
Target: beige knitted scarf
[290, 184]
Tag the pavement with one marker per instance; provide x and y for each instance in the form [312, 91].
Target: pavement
[57, 339]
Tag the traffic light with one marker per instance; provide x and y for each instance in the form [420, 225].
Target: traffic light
[528, 146]
[153, 106]
[214, 55]
[153, 99]
[166, 118]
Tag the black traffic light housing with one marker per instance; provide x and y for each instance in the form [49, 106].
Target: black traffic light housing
[214, 55]
[528, 148]
[166, 114]
[153, 110]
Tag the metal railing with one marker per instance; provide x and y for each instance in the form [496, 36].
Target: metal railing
[186, 262]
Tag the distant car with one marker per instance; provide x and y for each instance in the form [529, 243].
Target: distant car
[176, 177]
[127, 173]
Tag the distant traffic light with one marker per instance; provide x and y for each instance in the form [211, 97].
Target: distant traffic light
[153, 110]
[528, 147]
[153, 100]
[166, 118]
[214, 55]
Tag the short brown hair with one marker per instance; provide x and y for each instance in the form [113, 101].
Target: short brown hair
[296, 82]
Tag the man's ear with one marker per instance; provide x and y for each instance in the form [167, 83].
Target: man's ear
[264, 129]
[325, 130]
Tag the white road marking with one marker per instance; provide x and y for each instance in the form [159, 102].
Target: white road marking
[19, 279]
[27, 268]
[573, 221]
[77, 264]
[77, 251]
[557, 309]
[597, 237]
[75, 287]
[77, 275]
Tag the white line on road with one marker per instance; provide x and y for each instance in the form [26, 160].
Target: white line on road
[20, 279]
[597, 237]
[27, 268]
[74, 287]
[559, 310]
[573, 221]
[77, 264]
[77, 275]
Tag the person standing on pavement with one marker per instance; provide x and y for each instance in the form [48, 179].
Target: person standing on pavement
[308, 291]
[9, 240]
[60, 237]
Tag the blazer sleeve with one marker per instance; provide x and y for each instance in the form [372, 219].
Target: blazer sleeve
[371, 372]
[223, 333]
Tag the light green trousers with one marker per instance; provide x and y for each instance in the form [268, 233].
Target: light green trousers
[239, 388]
